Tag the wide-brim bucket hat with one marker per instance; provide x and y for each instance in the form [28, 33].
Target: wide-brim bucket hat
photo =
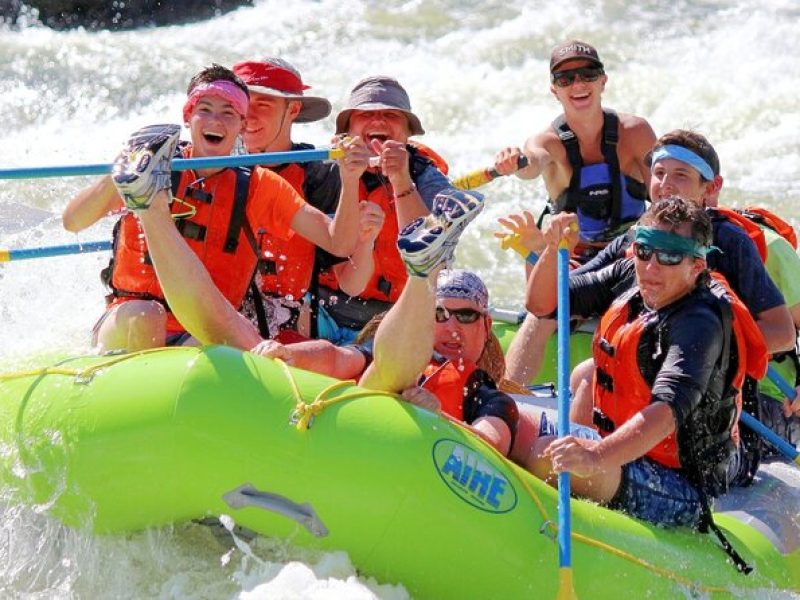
[276, 77]
[379, 93]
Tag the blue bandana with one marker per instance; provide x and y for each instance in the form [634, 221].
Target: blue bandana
[685, 156]
[671, 242]
[458, 283]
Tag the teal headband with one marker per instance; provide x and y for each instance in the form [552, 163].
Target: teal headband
[686, 156]
[671, 242]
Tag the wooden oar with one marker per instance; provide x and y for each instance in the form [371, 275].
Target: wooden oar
[566, 589]
[46, 251]
[181, 164]
[481, 177]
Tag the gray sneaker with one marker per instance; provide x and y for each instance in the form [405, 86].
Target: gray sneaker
[144, 166]
[430, 241]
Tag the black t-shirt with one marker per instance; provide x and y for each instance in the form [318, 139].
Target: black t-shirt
[680, 349]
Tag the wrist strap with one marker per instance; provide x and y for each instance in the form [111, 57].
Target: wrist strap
[512, 241]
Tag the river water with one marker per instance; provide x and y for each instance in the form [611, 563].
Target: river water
[477, 76]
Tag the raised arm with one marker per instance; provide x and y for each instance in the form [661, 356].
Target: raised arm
[541, 293]
[338, 235]
[535, 149]
[354, 274]
[91, 204]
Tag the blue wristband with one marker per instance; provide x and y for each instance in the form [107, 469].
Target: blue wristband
[532, 258]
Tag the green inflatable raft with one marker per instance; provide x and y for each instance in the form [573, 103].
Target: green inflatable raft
[122, 443]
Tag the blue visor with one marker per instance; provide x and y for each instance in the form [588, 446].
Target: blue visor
[685, 156]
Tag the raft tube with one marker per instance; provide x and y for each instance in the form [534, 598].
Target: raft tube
[118, 444]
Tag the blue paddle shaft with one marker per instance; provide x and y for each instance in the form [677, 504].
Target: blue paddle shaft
[782, 384]
[179, 164]
[46, 251]
[564, 524]
[773, 438]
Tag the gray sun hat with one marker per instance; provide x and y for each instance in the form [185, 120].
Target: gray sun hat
[378, 93]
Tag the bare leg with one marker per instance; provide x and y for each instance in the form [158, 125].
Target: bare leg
[600, 488]
[527, 433]
[185, 281]
[525, 354]
[404, 339]
[132, 326]
[581, 408]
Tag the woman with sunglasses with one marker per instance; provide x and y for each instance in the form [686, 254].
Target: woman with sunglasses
[671, 352]
[592, 161]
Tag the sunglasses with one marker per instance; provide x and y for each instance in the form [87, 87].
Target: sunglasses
[567, 78]
[667, 258]
[465, 316]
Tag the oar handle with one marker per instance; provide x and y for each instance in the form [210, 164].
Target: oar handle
[46, 251]
[480, 177]
[181, 164]
[773, 438]
[781, 383]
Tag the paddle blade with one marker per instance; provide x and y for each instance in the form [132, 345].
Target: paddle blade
[566, 588]
[473, 180]
[483, 176]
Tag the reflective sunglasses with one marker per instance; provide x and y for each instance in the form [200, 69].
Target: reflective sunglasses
[465, 316]
[667, 258]
[567, 78]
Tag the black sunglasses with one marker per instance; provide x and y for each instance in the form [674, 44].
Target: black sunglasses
[465, 316]
[567, 78]
[667, 258]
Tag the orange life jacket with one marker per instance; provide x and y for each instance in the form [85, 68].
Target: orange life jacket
[620, 390]
[389, 277]
[760, 214]
[216, 233]
[752, 229]
[448, 382]
[286, 266]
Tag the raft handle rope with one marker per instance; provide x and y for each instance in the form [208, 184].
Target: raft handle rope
[82, 376]
[306, 411]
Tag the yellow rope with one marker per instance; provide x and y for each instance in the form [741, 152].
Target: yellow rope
[304, 412]
[85, 373]
[650, 567]
[579, 537]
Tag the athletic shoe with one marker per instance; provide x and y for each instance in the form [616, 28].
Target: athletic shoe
[430, 241]
[144, 166]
